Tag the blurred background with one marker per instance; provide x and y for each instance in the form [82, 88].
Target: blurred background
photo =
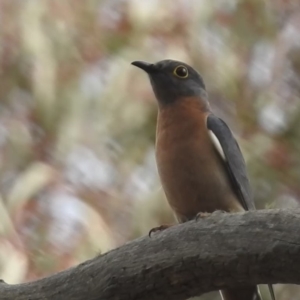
[77, 121]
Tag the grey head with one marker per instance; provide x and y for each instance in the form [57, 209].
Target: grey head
[173, 81]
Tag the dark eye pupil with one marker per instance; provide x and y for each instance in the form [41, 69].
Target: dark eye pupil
[181, 72]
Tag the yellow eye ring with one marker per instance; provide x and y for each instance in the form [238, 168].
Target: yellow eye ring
[181, 72]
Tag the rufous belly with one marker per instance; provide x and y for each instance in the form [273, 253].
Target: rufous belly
[192, 173]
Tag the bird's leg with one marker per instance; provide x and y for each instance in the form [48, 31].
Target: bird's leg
[159, 228]
[219, 212]
[202, 215]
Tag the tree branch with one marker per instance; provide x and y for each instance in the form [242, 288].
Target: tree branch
[221, 250]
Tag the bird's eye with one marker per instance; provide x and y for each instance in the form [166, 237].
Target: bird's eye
[181, 72]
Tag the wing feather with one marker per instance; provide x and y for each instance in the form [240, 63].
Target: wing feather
[229, 150]
[234, 161]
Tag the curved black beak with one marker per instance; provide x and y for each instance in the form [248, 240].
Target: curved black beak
[147, 67]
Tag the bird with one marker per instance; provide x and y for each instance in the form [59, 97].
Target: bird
[199, 162]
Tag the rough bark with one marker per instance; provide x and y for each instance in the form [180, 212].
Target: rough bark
[221, 250]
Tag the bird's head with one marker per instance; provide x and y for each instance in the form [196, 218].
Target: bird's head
[174, 81]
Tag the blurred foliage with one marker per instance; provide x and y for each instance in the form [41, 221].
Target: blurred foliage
[77, 121]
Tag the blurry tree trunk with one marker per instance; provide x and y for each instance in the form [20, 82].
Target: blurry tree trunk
[216, 251]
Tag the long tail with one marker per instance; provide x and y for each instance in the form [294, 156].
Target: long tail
[271, 290]
[245, 293]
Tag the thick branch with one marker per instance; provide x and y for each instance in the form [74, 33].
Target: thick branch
[222, 250]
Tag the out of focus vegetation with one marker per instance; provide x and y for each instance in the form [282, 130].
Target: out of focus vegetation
[77, 121]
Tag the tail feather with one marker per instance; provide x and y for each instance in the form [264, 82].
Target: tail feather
[243, 293]
[271, 290]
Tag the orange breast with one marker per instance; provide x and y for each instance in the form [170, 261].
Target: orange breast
[192, 173]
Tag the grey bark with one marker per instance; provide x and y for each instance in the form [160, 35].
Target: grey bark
[217, 251]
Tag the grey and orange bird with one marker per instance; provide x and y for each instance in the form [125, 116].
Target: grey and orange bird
[199, 161]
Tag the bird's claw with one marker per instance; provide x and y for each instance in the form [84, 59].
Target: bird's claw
[219, 212]
[202, 215]
[159, 228]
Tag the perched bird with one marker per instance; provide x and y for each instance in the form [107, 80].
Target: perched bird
[199, 161]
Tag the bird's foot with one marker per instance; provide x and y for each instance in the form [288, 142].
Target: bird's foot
[219, 212]
[159, 228]
[202, 215]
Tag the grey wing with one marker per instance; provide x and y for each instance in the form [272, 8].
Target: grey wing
[233, 161]
[235, 165]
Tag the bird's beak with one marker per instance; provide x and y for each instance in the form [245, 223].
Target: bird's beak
[147, 67]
